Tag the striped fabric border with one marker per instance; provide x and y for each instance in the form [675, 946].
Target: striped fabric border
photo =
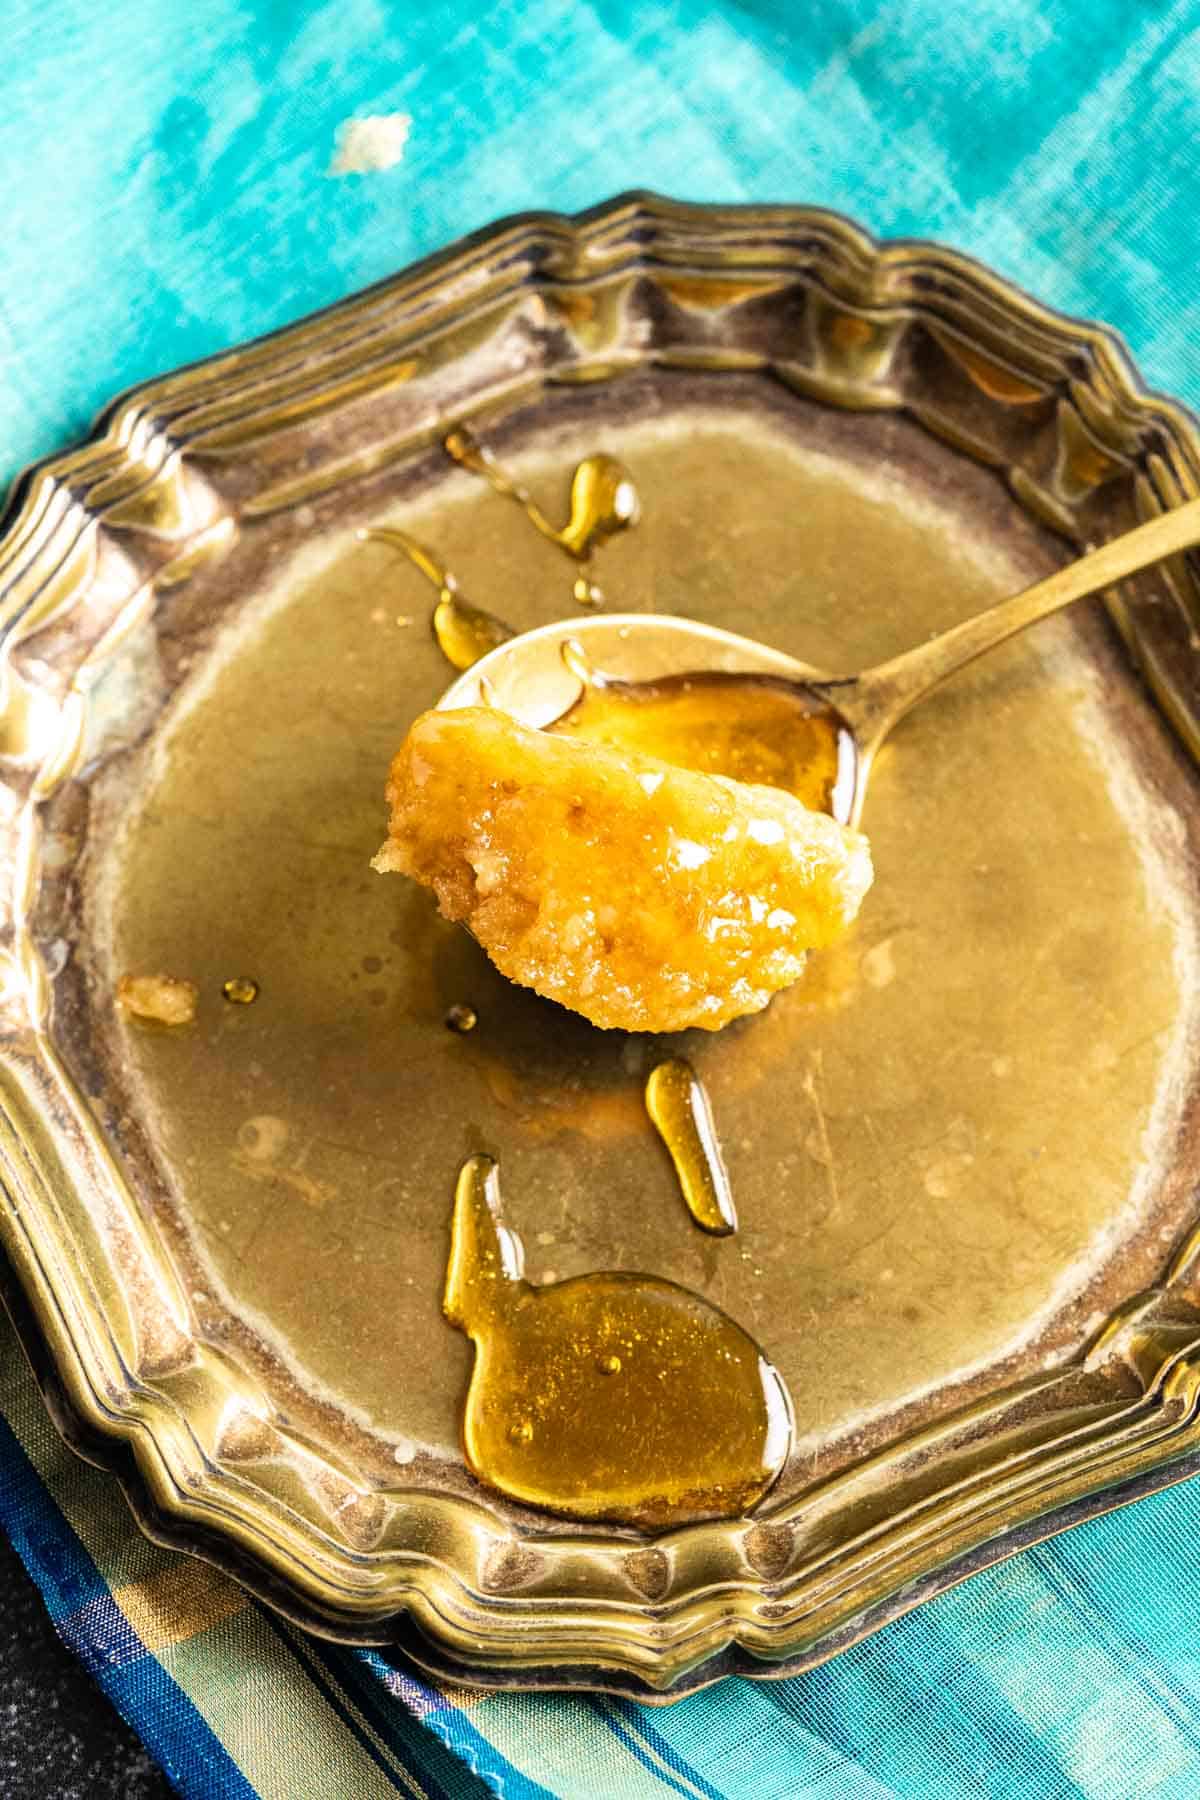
[230, 1701]
[1071, 1671]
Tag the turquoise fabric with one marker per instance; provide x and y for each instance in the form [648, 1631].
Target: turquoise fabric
[165, 173]
[164, 169]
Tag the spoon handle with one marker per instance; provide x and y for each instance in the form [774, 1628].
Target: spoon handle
[887, 691]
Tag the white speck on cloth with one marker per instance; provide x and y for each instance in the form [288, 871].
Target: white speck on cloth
[367, 145]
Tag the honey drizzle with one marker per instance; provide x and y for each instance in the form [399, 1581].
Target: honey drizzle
[604, 502]
[607, 1396]
[678, 1107]
[464, 632]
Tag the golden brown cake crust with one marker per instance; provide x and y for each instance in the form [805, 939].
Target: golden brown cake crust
[645, 896]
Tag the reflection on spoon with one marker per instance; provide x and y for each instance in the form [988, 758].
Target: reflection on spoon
[652, 660]
[604, 501]
[464, 632]
[609, 1396]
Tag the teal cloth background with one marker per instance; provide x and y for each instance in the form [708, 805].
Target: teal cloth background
[165, 184]
[164, 169]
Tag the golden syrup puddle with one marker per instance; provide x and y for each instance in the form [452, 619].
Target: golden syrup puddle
[464, 632]
[678, 1107]
[604, 501]
[608, 1396]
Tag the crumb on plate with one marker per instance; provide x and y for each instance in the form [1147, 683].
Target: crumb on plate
[164, 998]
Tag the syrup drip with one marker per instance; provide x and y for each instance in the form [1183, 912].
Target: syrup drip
[679, 1109]
[461, 1018]
[464, 632]
[752, 728]
[604, 502]
[607, 1396]
[242, 990]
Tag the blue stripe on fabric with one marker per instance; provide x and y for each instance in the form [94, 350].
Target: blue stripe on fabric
[299, 1646]
[436, 1718]
[419, 1698]
[67, 1576]
[638, 1719]
[395, 1726]
[101, 1635]
[157, 1708]
[481, 1755]
[629, 1740]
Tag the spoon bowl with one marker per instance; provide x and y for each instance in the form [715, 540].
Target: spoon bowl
[547, 671]
[530, 675]
[540, 675]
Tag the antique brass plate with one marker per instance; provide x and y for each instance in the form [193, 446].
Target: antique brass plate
[964, 1149]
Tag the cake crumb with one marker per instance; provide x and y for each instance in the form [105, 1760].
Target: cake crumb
[166, 999]
[365, 146]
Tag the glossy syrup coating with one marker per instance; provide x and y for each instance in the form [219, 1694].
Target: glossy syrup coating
[644, 896]
[751, 728]
[608, 1396]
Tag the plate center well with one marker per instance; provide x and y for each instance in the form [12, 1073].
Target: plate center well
[941, 1142]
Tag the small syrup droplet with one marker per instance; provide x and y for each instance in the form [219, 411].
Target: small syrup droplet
[678, 1106]
[609, 1365]
[462, 1018]
[604, 501]
[242, 990]
[520, 1432]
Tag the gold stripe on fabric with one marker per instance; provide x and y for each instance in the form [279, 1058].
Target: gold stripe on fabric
[178, 1602]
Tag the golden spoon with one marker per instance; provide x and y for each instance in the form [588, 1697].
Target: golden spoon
[541, 676]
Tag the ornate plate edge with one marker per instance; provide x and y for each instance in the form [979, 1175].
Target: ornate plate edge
[653, 1612]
